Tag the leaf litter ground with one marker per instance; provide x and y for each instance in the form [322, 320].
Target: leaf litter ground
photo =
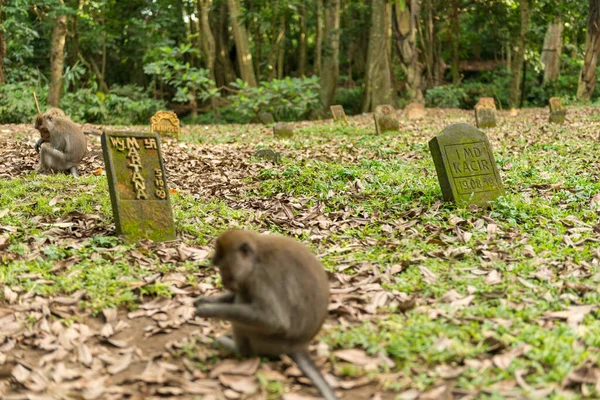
[428, 301]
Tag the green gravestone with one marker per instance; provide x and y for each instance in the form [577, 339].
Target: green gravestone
[137, 186]
[385, 119]
[557, 112]
[339, 115]
[465, 166]
[269, 155]
[283, 130]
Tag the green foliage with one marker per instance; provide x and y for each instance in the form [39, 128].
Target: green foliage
[448, 96]
[350, 99]
[124, 105]
[17, 104]
[190, 82]
[287, 99]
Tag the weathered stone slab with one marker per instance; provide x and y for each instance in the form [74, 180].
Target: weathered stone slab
[385, 119]
[283, 130]
[269, 155]
[137, 185]
[339, 115]
[487, 102]
[485, 113]
[165, 123]
[557, 112]
[465, 166]
[415, 111]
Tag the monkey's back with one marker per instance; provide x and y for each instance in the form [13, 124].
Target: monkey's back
[299, 283]
[68, 137]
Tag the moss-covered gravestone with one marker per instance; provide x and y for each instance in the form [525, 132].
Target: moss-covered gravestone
[385, 119]
[138, 186]
[269, 155]
[557, 112]
[283, 130]
[339, 115]
[415, 111]
[165, 123]
[485, 113]
[465, 166]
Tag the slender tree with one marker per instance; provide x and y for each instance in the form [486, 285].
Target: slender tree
[378, 83]
[208, 46]
[319, 38]
[587, 78]
[302, 41]
[57, 55]
[242, 44]
[552, 50]
[515, 87]
[405, 31]
[2, 47]
[331, 50]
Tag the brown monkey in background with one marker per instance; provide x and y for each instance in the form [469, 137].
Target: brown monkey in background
[63, 144]
[277, 298]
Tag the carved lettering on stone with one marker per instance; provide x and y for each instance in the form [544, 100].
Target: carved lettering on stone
[465, 166]
[165, 123]
[137, 186]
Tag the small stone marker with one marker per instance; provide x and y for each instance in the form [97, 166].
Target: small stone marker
[339, 115]
[137, 186]
[269, 155]
[165, 123]
[415, 111]
[557, 112]
[465, 166]
[485, 113]
[283, 130]
[385, 119]
[266, 118]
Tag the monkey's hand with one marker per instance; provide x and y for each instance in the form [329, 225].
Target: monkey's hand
[38, 144]
[248, 315]
[228, 297]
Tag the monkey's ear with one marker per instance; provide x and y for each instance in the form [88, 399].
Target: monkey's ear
[246, 249]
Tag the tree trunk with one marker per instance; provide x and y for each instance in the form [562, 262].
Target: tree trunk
[319, 39]
[281, 50]
[331, 49]
[552, 50]
[276, 45]
[94, 67]
[427, 40]
[378, 81]
[208, 46]
[302, 42]
[515, 89]
[224, 71]
[405, 29]
[455, 32]
[57, 55]
[242, 44]
[587, 78]
[2, 47]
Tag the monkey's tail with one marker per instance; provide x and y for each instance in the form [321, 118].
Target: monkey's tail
[308, 368]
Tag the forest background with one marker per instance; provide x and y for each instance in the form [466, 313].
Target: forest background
[118, 62]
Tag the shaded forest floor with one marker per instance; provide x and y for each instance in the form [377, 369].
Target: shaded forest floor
[428, 301]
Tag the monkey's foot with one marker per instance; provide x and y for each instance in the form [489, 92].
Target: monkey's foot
[227, 342]
[74, 172]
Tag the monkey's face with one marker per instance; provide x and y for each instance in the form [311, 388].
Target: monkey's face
[235, 264]
[44, 124]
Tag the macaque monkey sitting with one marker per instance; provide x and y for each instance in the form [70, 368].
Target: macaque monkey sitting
[62, 145]
[277, 298]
